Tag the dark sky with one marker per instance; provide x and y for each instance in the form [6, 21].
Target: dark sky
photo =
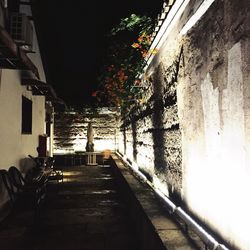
[73, 43]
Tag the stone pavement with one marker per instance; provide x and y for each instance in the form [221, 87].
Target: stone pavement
[85, 212]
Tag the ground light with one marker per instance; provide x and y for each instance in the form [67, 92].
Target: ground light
[178, 211]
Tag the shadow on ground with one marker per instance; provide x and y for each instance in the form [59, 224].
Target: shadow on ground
[85, 212]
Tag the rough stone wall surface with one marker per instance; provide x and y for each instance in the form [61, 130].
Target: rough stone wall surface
[71, 131]
[153, 137]
[215, 93]
[192, 136]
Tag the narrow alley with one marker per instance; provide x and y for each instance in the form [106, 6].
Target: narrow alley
[159, 91]
[84, 212]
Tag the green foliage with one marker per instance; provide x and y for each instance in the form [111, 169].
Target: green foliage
[144, 23]
[125, 61]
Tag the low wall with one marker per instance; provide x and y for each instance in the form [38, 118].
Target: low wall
[155, 228]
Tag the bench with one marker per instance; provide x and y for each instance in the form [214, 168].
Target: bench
[23, 195]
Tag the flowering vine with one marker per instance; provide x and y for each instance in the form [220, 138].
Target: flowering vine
[120, 80]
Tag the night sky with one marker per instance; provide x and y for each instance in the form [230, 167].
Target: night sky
[73, 41]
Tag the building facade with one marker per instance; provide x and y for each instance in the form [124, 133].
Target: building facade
[26, 100]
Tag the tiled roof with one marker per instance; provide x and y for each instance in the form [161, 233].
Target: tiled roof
[167, 5]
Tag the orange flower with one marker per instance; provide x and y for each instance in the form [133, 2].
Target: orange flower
[140, 39]
[144, 53]
[137, 82]
[148, 39]
[136, 45]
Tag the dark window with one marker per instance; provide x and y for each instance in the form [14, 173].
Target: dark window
[13, 5]
[26, 116]
[48, 119]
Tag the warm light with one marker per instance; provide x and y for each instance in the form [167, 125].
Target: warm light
[216, 180]
[71, 176]
[71, 173]
[135, 168]
[79, 144]
[160, 185]
[173, 209]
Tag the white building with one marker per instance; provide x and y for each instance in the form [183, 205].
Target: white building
[26, 100]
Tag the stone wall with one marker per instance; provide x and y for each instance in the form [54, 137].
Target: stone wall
[191, 136]
[71, 131]
[153, 138]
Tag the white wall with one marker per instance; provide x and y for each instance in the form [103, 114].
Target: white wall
[15, 146]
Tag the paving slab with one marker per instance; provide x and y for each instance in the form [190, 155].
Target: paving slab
[85, 212]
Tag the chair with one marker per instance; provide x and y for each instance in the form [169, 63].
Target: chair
[37, 161]
[106, 156]
[35, 190]
[55, 175]
[49, 165]
[21, 200]
[8, 184]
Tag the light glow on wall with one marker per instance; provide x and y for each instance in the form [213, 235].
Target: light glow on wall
[217, 189]
[79, 145]
[216, 180]
[71, 130]
[160, 185]
[173, 209]
[215, 167]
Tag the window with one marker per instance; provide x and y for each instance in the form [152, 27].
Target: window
[26, 116]
[13, 5]
[48, 122]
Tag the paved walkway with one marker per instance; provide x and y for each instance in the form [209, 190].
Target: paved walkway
[83, 213]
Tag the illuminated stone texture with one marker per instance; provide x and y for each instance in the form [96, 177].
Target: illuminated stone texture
[153, 137]
[71, 131]
[215, 93]
[193, 129]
